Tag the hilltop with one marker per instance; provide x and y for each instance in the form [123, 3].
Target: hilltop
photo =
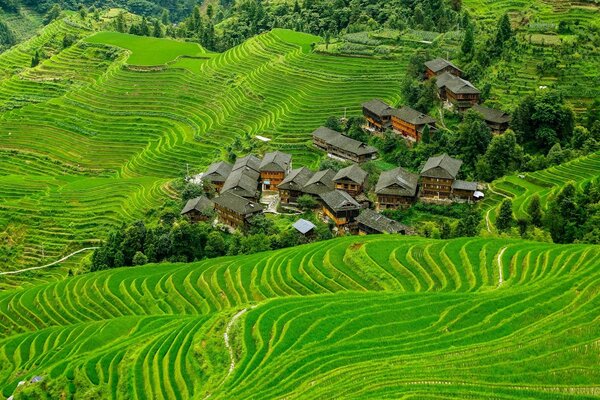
[354, 317]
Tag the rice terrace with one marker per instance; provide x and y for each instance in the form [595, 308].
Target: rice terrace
[299, 199]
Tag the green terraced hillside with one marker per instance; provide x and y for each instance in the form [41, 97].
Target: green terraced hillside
[88, 140]
[376, 317]
[521, 187]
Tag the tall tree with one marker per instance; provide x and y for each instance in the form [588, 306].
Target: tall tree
[474, 136]
[468, 44]
[535, 211]
[505, 218]
[503, 33]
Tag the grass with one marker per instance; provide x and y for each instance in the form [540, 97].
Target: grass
[148, 50]
[369, 317]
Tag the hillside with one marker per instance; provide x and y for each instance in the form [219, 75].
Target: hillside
[87, 129]
[354, 317]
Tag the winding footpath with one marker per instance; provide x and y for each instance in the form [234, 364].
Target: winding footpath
[48, 265]
[500, 273]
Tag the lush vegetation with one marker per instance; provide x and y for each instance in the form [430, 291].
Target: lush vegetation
[401, 316]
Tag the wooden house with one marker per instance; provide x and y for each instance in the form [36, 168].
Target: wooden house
[249, 162]
[410, 123]
[234, 210]
[198, 209]
[497, 120]
[340, 146]
[321, 182]
[371, 222]
[351, 179]
[339, 207]
[438, 175]
[216, 174]
[464, 190]
[378, 115]
[457, 91]
[291, 187]
[242, 182]
[438, 66]
[273, 169]
[396, 188]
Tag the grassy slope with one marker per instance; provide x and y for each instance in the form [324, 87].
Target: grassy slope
[354, 317]
[123, 133]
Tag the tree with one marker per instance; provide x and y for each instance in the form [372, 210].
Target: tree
[120, 23]
[468, 44]
[562, 215]
[306, 202]
[157, 29]
[191, 191]
[165, 17]
[52, 14]
[502, 156]
[474, 136]
[7, 37]
[426, 135]
[333, 123]
[35, 60]
[144, 28]
[534, 209]
[505, 218]
[503, 33]
[140, 258]
[215, 245]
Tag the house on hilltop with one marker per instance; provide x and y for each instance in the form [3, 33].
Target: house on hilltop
[438, 66]
[216, 174]
[371, 222]
[396, 188]
[273, 169]
[410, 123]
[340, 146]
[351, 179]
[438, 175]
[457, 91]
[242, 182]
[291, 187]
[198, 209]
[236, 211]
[340, 207]
[497, 120]
[321, 182]
[378, 115]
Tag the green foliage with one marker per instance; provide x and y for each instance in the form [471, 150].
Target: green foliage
[505, 218]
[52, 14]
[474, 137]
[307, 202]
[7, 37]
[535, 211]
[503, 156]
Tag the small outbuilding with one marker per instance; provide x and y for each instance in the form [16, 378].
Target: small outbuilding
[305, 227]
[198, 209]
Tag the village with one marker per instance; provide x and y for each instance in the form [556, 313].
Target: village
[252, 186]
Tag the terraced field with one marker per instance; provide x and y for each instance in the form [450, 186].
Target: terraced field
[377, 317]
[545, 183]
[86, 129]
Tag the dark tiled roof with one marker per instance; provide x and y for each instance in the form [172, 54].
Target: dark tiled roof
[439, 64]
[413, 116]
[381, 223]
[238, 204]
[352, 173]
[378, 107]
[338, 200]
[242, 182]
[491, 114]
[442, 166]
[397, 182]
[296, 179]
[336, 139]
[217, 172]
[325, 134]
[276, 161]
[201, 203]
[455, 84]
[464, 185]
[320, 182]
[303, 226]
[250, 161]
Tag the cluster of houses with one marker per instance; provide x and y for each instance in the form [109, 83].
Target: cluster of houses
[452, 88]
[341, 195]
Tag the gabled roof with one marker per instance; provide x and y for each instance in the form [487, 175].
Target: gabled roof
[352, 173]
[217, 172]
[438, 64]
[397, 182]
[238, 204]
[200, 204]
[296, 179]
[491, 114]
[378, 107]
[442, 166]
[320, 182]
[455, 84]
[343, 142]
[250, 161]
[464, 185]
[242, 182]
[275, 161]
[338, 200]
[303, 226]
[413, 116]
[381, 223]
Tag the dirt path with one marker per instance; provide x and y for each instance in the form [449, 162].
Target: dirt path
[48, 265]
[226, 339]
[500, 273]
